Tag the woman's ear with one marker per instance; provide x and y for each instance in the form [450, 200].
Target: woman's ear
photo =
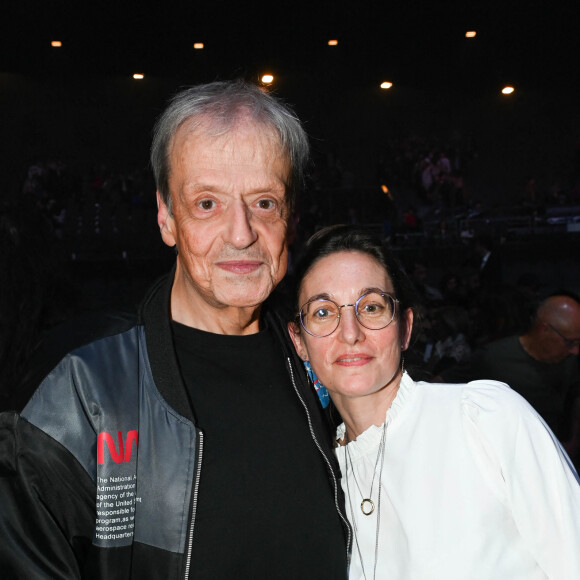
[296, 336]
[407, 331]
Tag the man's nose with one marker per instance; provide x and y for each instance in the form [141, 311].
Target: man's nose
[239, 229]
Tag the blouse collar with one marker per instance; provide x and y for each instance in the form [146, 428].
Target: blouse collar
[371, 437]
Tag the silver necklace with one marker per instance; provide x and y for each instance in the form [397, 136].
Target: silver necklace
[381, 454]
[367, 506]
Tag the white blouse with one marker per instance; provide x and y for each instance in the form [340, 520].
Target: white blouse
[474, 486]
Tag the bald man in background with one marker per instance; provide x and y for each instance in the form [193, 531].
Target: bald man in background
[541, 365]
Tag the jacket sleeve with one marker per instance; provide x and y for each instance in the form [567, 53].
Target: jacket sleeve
[47, 512]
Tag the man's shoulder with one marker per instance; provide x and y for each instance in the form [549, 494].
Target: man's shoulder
[88, 328]
[506, 347]
[499, 345]
[487, 361]
[68, 337]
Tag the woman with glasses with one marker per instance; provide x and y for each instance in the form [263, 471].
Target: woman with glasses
[451, 482]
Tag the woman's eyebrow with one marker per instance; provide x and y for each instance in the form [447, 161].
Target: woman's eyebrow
[373, 289]
[327, 296]
[321, 296]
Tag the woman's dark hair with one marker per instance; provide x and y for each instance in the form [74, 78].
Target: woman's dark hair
[347, 238]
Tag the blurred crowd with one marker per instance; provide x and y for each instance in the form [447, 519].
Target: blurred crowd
[65, 213]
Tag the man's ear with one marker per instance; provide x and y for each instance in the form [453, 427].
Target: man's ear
[296, 336]
[165, 222]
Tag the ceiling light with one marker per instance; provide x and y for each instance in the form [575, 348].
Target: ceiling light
[198, 45]
[267, 79]
[507, 90]
[56, 43]
[138, 76]
[386, 85]
[470, 34]
[333, 43]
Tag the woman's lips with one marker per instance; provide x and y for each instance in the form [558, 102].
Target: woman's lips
[239, 266]
[353, 360]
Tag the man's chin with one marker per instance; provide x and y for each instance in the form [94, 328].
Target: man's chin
[242, 301]
[242, 295]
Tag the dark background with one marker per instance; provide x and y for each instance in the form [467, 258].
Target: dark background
[75, 128]
[80, 105]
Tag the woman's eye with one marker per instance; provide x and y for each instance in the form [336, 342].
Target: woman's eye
[372, 308]
[321, 313]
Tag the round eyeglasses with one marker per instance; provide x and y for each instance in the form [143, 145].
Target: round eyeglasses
[374, 310]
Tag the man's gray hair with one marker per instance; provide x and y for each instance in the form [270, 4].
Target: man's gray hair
[219, 106]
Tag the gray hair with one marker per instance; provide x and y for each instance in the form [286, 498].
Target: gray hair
[221, 104]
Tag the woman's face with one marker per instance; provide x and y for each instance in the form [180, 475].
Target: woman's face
[353, 361]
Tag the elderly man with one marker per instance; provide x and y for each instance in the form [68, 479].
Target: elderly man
[541, 365]
[187, 443]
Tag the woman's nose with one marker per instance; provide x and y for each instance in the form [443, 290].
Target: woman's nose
[350, 329]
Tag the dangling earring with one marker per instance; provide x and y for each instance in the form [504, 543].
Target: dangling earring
[403, 349]
[318, 386]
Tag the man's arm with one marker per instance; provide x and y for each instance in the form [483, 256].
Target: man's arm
[47, 513]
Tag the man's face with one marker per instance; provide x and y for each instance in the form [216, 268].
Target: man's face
[557, 332]
[562, 339]
[229, 217]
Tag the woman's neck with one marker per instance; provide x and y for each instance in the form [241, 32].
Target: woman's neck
[359, 413]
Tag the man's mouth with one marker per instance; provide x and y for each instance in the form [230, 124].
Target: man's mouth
[240, 266]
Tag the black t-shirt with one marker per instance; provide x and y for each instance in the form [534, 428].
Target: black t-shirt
[266, 507]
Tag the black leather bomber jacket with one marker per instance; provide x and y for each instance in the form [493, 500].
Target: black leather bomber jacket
[99, 472]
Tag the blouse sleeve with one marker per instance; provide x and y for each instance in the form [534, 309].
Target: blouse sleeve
[527, 467]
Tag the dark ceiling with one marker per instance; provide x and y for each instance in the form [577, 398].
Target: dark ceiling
[415, 44]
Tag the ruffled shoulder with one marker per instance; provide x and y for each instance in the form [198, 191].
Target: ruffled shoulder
[485, 397]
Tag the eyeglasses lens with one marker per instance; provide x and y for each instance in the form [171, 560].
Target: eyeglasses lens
[375, 310]
[321, 317]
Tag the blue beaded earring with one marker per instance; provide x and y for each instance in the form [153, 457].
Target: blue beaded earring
[318, 386]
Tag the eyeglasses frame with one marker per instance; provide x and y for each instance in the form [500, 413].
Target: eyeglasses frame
[355, 306]
[570, 342]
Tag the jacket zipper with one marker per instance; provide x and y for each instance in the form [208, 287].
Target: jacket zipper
[335, 483]
[194, 504]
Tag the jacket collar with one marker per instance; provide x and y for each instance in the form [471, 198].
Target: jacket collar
[154, 314]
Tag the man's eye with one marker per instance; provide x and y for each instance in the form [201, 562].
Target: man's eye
[266, 204]
[207, 204]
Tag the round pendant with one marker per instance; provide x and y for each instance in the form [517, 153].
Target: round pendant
[367, 507]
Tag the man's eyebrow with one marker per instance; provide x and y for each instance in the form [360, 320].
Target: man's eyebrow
[269, 188]
[200, 187]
